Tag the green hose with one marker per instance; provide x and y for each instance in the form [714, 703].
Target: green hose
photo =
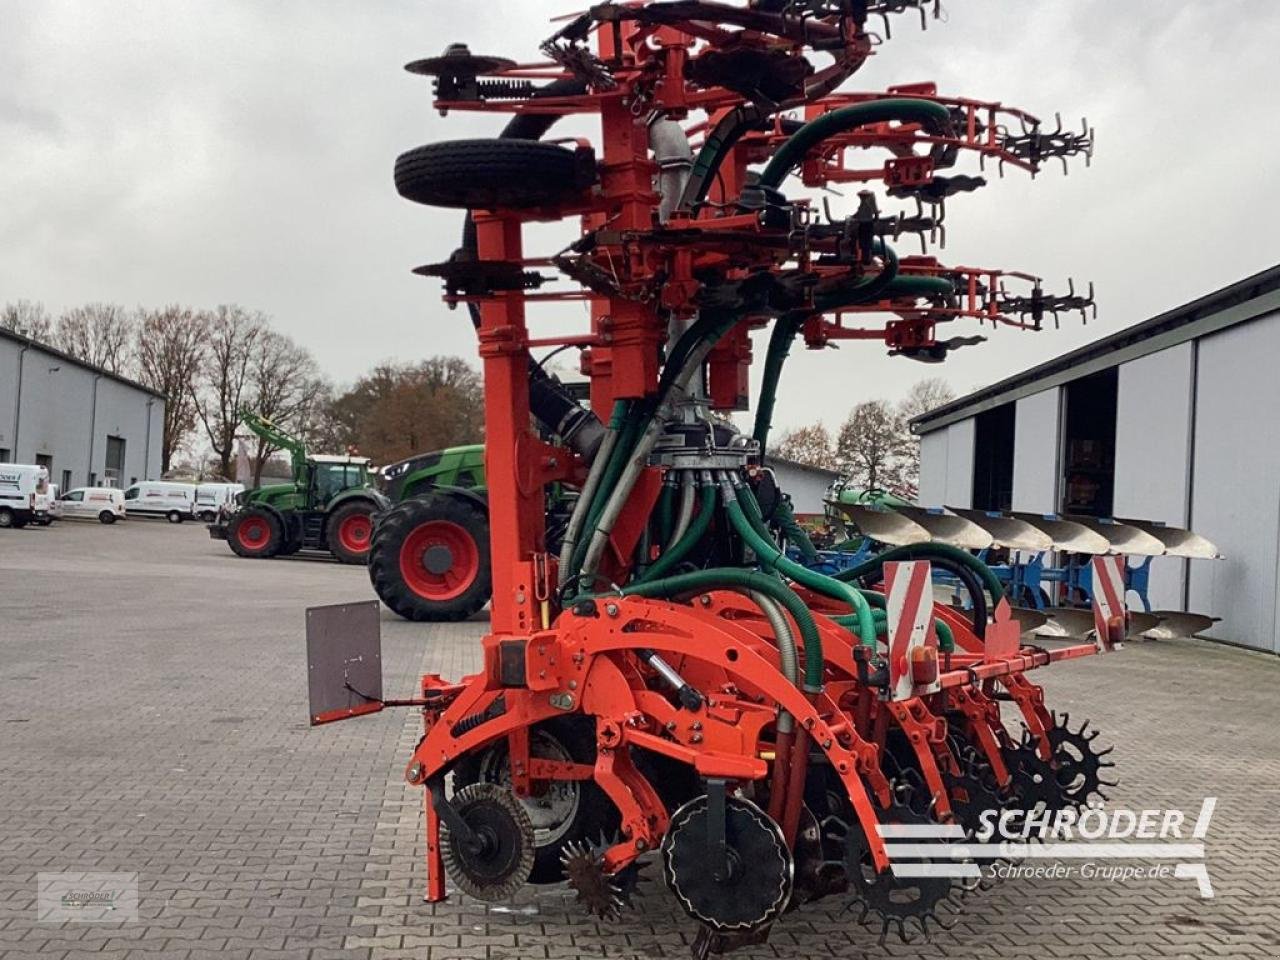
[721, 577]
[794, 532]
[679, 549]
[922, 551]
[771, 558]
[932, 115]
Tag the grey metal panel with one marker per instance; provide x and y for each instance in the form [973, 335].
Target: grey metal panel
[1035, 452]
[344, 659]
[1153, 449]
[934, 454]
[960, 440]
[1236, 493]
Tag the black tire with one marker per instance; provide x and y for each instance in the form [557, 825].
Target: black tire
[489, 174]
[432, 578]
[341, 545]
[173, 516]
[106, 517]
[7, 518]
[254, 534]
[590, 812]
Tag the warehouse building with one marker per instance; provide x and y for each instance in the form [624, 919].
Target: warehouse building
[86, 425]
[1172, 420]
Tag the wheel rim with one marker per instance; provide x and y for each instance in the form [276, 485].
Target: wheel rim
[354, 533]
[254, 533]
[439, 560]
[552, 812]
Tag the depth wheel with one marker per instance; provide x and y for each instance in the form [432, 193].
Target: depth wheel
[254, 534]
[429, 559]
[565, 811]
[495, 863]
[486, 174]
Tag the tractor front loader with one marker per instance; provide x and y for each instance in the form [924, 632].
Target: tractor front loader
[661, 676]
[328, 504]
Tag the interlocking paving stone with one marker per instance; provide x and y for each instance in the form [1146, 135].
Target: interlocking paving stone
[154, 721]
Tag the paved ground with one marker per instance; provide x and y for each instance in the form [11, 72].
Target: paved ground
[153, 708]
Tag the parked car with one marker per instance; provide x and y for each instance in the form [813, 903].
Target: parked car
[212, 497]
[156, 498]
[20, 485]
[104, 504]
[47, 507]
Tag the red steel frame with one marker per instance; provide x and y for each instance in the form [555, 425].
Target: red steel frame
[581, 662]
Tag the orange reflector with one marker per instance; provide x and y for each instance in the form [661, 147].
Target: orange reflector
[924, 665]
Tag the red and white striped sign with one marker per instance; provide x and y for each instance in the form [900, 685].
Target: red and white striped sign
[908, 587]
[1108, 600]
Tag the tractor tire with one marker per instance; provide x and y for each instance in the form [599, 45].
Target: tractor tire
[489, 174]
[430, 558]
[254, 534]
[350, 531]
[567, 811]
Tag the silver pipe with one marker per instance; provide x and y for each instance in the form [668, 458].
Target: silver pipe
[578, 519]
[674, 156]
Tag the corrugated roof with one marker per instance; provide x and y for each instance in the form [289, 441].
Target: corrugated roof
[1240, 302]
[68, 358]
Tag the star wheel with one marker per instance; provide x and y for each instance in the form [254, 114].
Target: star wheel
[603, 894]
[494, 862]
[1035, 782]
[739, 887]
[892, 900]
[1078, 764]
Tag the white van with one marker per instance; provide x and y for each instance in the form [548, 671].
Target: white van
[104, 504]
[47, 507]
[212, 497]
[20, 485]
[155, 498]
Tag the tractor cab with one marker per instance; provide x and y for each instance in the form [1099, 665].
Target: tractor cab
[330, 476]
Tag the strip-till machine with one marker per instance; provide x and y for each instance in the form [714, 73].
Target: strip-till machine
[667, 680]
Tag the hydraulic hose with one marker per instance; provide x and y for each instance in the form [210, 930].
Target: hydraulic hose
[925, 551]
[736, 578]
[639, 456]
[580, 509]
[865, 290]
[794, 533]
[684, 512]
[933, 116]
[771, 558]
[697, 529]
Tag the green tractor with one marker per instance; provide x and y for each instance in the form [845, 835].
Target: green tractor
[328, 505]
[429, 559]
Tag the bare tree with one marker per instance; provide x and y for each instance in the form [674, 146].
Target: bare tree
[168, 350]
[27, 319]
[809, 445]
[282, 379]
[231, 342]
[925, 395]
[97, 333]
[870, 448]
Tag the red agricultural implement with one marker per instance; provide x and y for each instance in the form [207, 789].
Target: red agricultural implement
[669, 680]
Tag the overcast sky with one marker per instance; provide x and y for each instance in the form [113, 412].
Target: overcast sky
[241, 151]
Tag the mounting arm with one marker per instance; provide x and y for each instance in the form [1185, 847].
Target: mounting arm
[269, 432]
